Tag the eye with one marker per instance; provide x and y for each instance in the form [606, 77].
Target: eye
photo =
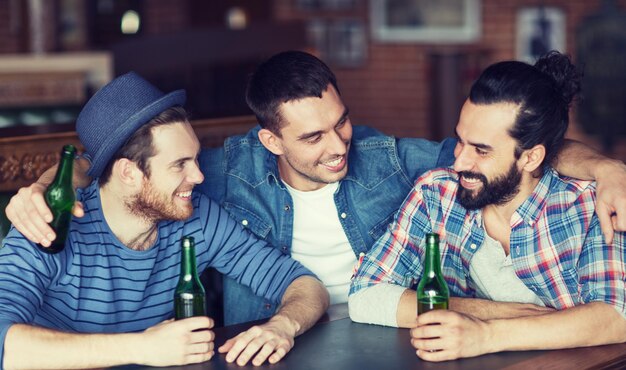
[179, 165]
[314, 139]
[481, 152]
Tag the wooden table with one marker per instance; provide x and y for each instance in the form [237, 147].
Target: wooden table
[336, 343]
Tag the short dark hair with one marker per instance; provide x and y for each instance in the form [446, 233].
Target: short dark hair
[543, 93]
[287, 76]
[139, 147]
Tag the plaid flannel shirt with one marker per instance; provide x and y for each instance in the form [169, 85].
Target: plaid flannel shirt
[556, 245]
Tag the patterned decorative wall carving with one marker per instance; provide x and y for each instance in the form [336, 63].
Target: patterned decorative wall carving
[27, 167]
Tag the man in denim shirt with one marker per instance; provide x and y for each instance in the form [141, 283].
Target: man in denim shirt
[289, 181]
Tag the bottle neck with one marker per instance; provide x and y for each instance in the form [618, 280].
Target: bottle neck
[66, 166]
[432, 263]
[188, 262]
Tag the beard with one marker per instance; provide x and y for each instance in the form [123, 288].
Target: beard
[498, 191]
[154, 206]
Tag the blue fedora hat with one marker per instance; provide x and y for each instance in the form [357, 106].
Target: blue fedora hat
[115, 112]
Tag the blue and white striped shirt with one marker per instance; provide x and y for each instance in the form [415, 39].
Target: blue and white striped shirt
[97, 285]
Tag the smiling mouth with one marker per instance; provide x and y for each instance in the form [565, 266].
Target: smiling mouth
[184, 194]
[336, 164]
[470, 183]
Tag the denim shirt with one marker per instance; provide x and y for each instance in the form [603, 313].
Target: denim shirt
[243, 177]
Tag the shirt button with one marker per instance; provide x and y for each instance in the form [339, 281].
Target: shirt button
[284, 249]
[344, 215]
[268, 306]
[287, 208]
[244, 222]
[473, 246]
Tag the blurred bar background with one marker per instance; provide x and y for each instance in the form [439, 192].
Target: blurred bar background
[404, 66]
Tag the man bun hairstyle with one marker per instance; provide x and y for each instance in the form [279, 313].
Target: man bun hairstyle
[543, 92]
[565, 74]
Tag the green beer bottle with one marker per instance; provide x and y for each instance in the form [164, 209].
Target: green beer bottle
[432, 290]
[189, 297]
[60, 198]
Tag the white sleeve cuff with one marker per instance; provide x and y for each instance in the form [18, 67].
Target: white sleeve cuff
[377, 304]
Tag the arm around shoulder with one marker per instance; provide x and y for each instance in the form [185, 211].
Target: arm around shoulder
[580, 161]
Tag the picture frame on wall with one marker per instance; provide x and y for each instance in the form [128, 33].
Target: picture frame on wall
[539, 30]
[341, 42]
[441, 21]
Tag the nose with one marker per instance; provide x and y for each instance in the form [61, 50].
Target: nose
[195, 176]
[463, 161]
[337, 144]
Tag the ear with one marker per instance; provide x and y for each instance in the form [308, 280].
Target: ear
[127, 172]
[533, 158]
[270, 141]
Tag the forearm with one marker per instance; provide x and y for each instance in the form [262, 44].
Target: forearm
[79, 174]
[304, 302]
[59, 350]
[484, 309]
[586, 325]
[480, 308]
[579, 161]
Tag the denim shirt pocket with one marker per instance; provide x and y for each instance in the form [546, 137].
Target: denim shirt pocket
[248, 220]
[379, 229]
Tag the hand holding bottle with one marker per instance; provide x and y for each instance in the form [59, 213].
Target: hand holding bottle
[177, 342]
[28, 212]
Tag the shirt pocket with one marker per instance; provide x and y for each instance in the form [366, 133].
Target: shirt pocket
[248, 219]
[379, 229]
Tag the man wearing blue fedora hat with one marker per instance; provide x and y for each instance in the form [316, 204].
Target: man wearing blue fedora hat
[107, 298]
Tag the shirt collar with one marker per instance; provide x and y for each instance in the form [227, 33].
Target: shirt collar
[531, 208]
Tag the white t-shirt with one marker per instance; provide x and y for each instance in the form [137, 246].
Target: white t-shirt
[492, 271]
[319, 241]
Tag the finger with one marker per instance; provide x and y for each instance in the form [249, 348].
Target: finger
[619, 221]
[78, 210]
[197, 323]
[202, 336]
[426, 331]
[226, 346]
[199, 348]
[264, 353]
[199, 357]
[436, 356]
[239, 344]
[435, 344]
[40, 206]
[606, 225]
[38, 217]
[16, 213]
[279, 354]
[251, 349]
[432, 317]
